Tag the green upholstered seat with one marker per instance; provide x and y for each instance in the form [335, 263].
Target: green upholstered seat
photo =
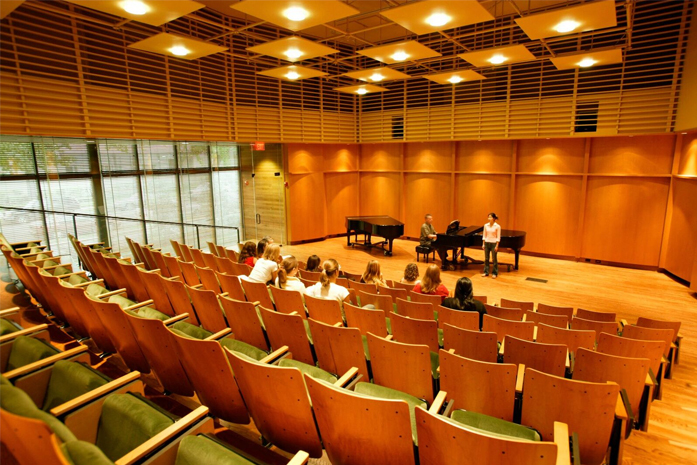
[95, 290]
[194, 450]
[61, 270]
[127, 421]
[16, 401]
[307, 331]
[4, 381]
[435, 363]
[309, 370]
[440, 337]
[143, 312]
[77, 279]
[70, 380]
[26, 350]
[494, 426]
[8, 326]
[233, 345]
[184, 329]
[389, 325]
[364, 338]
[84, 453]
[382, 392]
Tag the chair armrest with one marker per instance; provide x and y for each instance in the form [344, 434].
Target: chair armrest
[519, 379]
[561, 439]
[44, 362]
[620, 409]
[103, 390]
[8, 312]
[276, 354]
[23, 332]
[197, 286]
[501, 348]
[52, 259]
[144, 303]
[109, 294]
[139, 264]
[77, 273]
[338, 324]
[17, 249]
[174, 278]
[623, 323]
[223, 294]
[87, 283]
[438, 402]
[346, 377]
[174, 319]
[389, 337]
[534, 333]
[568, 362]
[53, 267]
[163, 437]
[38, 241]
[219, 335]
[300, 458]
[630, 412]
[96, 243]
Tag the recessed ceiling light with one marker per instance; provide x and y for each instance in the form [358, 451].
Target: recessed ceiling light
[361, 91]
[135, 7]
[566, 26]
[438, 19]
[586, 62]
[295, 13]
[377, 77]
[179, 50]
[497, 59]
[455, 80]
[292, 75]
[399, 56]
[293, 53]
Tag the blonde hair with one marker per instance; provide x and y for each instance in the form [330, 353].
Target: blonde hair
[431, 279]
[287, 266]
[330, 269]
[272, 252]
[372, 273]
[411, 273]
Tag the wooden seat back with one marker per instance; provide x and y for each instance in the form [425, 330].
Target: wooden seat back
[107, 275]
[307, 282]
[547, 358]
[588, 409]
[209, 279]
[210, 261]
[381, 302]
[288, 301]
[506, 303]
[481, 387]
[173, 266]
[482, 298]
[197, 255]
[513, 314]
[413, 309]
[257, 292]
[208, 310]
[629, 373]
[472, 344]
[459, 318]
[595, 316]
[366, 320]
[224, 265]
[179, 298]
[150, 262]
[520, 329]
[413, 331]
[136, 288]
[558, 321]
[568, 312]
[313, 276]
[633, 348]
[361, 430]
[287, 330]
[571, 338]
[404, 367]
[659, 324]
[187, 256]
[88, 314]
[325, 310]
[119, 276]
[156, 291]
[176, 247]
[231, 284]
[245, 321]
[70, 312]
[352, 276]
[418, 297]
[338, 349]
[189, 272]
[405, 286]
[609, 327]
[241, 269]
[219, 393]
[359, 286]
[394, 292]
[650, 334]
[278, 403]
[213, 248]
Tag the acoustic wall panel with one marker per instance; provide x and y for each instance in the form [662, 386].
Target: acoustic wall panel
[551, 156]
[381, 157]
[426, 193]
[341, 190]
[484, 156]
[381, 194]
[306, 206]
[428, 156]
[682, 240]
[688, 158]
[648, 155]
[477, 195]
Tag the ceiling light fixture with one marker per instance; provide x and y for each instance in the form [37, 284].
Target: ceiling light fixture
[438, 19]
[295, 13]
[586, 62]
[377, 77]
[179, 50]
[497, 59]
[566, 26]
[293, 53]
[455, 80]
[292, 75]
[361, 91]
[399, 56]
[135, 7]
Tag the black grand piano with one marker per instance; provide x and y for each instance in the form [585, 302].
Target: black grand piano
[382, 226]
[457, 237]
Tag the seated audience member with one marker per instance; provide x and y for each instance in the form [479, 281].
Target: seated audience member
[411, 274]
[372, 274]
[463, 299]
[287, 275]
[314, 264]
[248, 254]
[268, 239]
[327, 287]
[266, 267]
[261, 246]
[431, 283]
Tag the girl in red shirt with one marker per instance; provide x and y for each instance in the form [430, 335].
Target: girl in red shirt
[431, 283]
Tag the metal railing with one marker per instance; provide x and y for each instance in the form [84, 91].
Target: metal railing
[119, 218]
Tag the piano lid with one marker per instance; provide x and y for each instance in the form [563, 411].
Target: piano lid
[378, 220]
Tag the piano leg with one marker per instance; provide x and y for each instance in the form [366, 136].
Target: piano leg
[348, 237]
[388, 251]
[517, 255]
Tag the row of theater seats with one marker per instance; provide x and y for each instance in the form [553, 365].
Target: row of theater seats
[405, 371]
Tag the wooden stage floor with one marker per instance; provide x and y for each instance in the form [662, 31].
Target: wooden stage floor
[672, 435]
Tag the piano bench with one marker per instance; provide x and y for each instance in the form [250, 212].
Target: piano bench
[425, 251]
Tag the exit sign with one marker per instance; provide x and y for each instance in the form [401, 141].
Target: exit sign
[258, 146]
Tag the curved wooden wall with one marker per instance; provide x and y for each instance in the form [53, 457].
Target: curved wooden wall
[624, 200]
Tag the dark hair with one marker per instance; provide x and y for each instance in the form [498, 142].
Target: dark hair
[493, 215]
[463, 295]
[261, 246]
[248, 250]
[313, 263]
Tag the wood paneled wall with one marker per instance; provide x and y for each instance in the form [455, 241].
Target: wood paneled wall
[625, 200]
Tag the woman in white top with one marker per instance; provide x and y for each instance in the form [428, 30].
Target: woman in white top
[327, 288]
[492, 237]
[287, 275]
[266, 267]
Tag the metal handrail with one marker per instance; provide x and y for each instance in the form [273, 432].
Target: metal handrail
[144, 221]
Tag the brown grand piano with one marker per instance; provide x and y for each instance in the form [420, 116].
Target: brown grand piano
[382, 226]
[460, 237]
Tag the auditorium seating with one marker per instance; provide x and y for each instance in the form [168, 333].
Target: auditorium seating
[504, 313]
[471, 343]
